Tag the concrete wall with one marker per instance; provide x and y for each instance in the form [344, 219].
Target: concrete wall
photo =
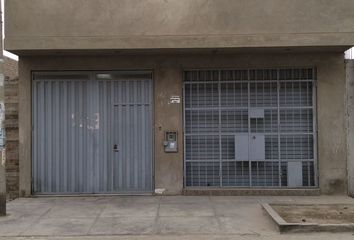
[151, 24]
[331, 114]
[168, 81]
[350, 122]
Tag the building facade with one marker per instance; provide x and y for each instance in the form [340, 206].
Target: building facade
[171, 97]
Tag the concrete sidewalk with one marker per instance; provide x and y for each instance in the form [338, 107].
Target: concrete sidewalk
[149, 217]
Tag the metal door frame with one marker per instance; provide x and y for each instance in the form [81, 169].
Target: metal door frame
[91, 74]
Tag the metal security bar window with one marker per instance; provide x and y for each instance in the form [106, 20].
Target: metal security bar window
[250, 128]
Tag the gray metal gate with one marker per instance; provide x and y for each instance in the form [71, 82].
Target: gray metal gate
[250, 128]
[92, 132]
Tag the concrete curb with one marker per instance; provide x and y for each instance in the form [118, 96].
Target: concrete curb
[285, 227]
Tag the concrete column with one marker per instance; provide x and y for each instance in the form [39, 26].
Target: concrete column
[350, 129]
[332, 124]
[168, 117]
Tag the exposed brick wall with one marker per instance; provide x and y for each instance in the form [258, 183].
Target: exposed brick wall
[10, 68]
[12, 137]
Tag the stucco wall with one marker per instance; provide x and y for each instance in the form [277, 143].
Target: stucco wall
[350, 122]
[168, 81]
[136, 24]
[331, 114]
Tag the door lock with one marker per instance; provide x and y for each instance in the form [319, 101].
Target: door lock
[115, 147]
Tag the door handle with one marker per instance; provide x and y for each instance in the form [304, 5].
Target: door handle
[115, 148]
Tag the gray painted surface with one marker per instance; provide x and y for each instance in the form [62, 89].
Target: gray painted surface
[295, 175]
[350, 122]
[78, 117]
[162, 24]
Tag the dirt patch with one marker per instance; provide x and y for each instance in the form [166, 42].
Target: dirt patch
[321, 214]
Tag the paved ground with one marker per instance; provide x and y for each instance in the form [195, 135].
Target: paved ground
[148, 217]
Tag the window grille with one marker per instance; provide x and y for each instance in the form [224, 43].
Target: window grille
[250, 128]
